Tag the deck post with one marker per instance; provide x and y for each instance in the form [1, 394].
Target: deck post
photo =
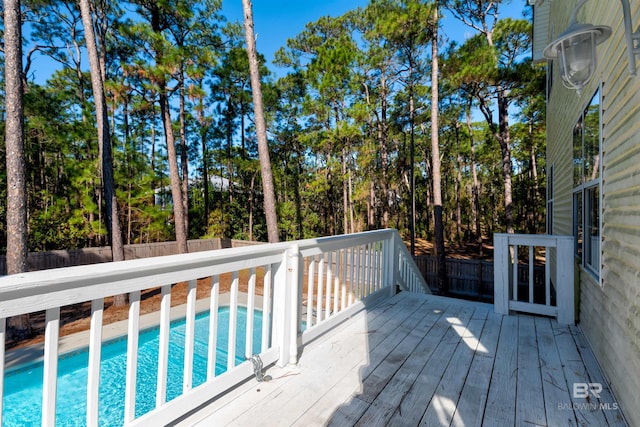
[294, 284]
[564, 281]
[395, 260]
[501, 273]
[387, 265]
[281, 309]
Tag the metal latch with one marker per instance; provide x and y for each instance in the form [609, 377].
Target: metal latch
[258, 369]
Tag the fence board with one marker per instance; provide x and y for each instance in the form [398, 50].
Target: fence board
[73, 257]
[473, 279]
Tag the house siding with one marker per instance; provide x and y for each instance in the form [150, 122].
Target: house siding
[609, 308]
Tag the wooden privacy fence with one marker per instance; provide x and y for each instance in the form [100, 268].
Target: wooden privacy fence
[469, 278]
[69, 258]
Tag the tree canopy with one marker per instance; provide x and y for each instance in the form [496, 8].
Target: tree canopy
[353, 97]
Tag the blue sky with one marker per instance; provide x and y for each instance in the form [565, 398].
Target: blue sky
[276, 21]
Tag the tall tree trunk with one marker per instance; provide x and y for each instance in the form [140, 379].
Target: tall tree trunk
[412, 160]
[251, 196]
[458, 184]
[505, 148]
[261, 128]
[174, 174]
[345, 193]
[184, 157]
[352, 226]
[205, 157]
[17, 247]
[371, 206]
[536, 217]
[296, 192]
[475, 187]
[104, 142]
[443, 282]
[501, 134]
[383, 133]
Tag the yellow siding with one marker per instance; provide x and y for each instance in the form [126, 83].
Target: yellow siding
[609, 314]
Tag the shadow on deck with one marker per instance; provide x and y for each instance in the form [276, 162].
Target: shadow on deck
[427, 360]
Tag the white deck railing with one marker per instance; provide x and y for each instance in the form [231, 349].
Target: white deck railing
[534, 274]
[303, 289]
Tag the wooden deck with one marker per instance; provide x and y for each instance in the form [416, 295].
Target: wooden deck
[426, 360]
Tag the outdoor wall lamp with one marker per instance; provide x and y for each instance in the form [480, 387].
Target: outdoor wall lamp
[575, 49]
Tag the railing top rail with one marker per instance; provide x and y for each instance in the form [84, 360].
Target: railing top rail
[547, 240]
[69, 285]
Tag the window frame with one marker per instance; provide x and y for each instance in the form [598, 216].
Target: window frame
[584, 216]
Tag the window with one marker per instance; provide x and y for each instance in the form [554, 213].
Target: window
[587, 165]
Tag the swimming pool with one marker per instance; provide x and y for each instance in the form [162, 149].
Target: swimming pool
[23, 386]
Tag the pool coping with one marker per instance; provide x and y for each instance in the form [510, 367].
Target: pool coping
[18, 358]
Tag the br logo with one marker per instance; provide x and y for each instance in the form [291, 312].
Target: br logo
[584, 390]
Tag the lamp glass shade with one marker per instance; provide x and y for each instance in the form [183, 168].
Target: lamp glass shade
[575, 50]
[577, 59]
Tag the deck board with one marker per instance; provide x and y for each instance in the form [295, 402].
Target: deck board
[417, 359]
[415, 401]
[447, 394]
[346, 387]
[388, 399]
[554, 385]
[500, 408]
[529, 399]
[472, 401]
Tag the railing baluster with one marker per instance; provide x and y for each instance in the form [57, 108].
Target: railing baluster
[352, 289]
[233, 321]
[372, 259]
[50, 379]
[365, 271]
[343, 295]
[372, 256]
[359, 282]
[531, 263]
[93, 369]
[132, 357]
[189, 337]
[377, 268]
[213, 328]
[372, 268]
[310, 279]
[266, 308]
[405, 272]
[250, 313]
[319, 310]
[336, 283]
[516, 278]
[547, 277]
[327, 303]
[163, 346]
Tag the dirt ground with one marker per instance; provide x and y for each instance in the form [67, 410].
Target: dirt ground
[465, 250]
[76, 318]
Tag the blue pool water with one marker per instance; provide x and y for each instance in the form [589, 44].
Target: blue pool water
[23, 387]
